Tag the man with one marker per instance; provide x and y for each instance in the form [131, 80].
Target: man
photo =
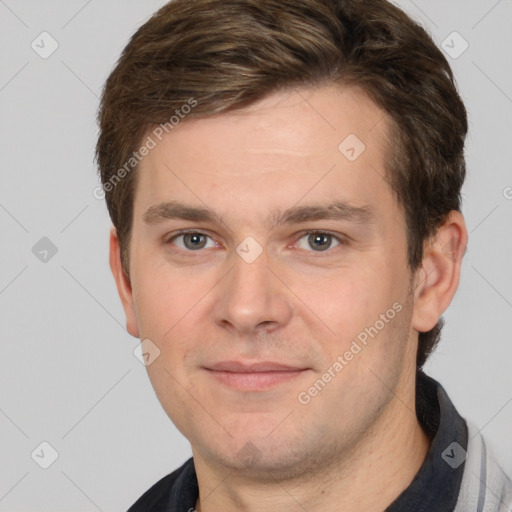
[284, 182]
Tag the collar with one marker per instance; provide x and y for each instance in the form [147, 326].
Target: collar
[436, 486]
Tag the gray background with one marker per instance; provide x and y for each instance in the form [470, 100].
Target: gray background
[68, 375]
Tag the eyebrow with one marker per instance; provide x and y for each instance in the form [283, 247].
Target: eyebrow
[337, 210]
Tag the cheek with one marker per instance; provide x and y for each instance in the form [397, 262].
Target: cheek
[367, 313]
[346, 300]
[163, 293]
[171, 390]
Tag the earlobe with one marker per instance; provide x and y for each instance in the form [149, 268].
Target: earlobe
[438, 278]
[123, 284]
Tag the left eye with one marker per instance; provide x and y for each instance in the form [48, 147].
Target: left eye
[319, 240]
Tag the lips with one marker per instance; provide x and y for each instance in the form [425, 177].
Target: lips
[256, 377]
[259, 367]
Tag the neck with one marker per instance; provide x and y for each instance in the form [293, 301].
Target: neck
[367, 477]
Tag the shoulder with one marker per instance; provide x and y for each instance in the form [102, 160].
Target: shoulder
[157, 497]
[485, 486]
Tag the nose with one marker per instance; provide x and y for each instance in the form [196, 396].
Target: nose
[252, 297]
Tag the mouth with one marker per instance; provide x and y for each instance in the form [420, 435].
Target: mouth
[258, 376]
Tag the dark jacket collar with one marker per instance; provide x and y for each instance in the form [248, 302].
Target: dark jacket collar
[436, 486]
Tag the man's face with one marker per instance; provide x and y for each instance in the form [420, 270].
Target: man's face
[246, 288]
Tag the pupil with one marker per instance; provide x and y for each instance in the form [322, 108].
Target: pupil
[195, 240]
[320, 240]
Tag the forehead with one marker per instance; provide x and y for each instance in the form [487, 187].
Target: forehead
[293, 146]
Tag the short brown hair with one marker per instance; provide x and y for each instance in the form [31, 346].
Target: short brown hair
[228, 54]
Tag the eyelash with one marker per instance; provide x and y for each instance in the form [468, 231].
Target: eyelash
[341, 240]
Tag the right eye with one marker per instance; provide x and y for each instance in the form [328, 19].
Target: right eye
[190, 241]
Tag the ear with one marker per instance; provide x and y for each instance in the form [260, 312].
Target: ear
[124, 287]
[438, 278]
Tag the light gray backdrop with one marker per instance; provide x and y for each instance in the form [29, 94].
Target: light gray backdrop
[68, 374]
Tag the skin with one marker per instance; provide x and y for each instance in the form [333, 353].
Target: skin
[357, 444]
